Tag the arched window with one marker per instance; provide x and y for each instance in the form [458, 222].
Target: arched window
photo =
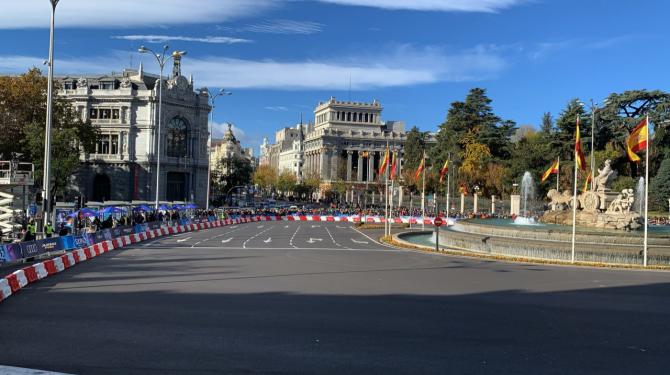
[177, 138]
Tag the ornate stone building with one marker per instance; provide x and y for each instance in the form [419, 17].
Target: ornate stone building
[124, 106]
[346, 143]
[228, 147]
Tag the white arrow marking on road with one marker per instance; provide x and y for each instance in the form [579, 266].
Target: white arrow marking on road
[260, 226]
[312, 240]
[184, 239]
[268, 240]
[359, 241]
[226, 240]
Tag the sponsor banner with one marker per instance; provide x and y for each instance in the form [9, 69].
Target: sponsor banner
[10, 252]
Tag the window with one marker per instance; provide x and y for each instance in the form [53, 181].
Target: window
[69, 85]
[115, 114]
[107, 85]
[108, 144]
[177, 142]
[105, 113]
[366, 118]
[93, 113]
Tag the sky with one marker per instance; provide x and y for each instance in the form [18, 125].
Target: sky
[279, 58]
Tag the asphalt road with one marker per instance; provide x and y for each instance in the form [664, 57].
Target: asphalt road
[288, 297]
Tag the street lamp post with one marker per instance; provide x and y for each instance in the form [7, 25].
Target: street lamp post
[161, 59]
[46, 206]
[212, 99]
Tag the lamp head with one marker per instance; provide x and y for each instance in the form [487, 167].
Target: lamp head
[142, 49]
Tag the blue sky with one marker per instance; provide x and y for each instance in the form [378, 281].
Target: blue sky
[280, 57]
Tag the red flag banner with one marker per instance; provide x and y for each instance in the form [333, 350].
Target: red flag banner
[444, 170]
[552, 170]
[394, 165]
[385, 163]
[637, 140]
[420, 169]
[579, 155]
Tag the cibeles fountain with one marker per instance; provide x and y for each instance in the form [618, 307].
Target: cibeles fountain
[597, 208]
[607, 226]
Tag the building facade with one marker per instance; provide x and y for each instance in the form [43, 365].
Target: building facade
[347, 142]
[124, 106]
[229, 147]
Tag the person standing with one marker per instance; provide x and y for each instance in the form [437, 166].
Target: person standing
[48, 230]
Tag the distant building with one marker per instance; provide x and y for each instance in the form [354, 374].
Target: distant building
[229, 147]
[124, 106]
[346, 142]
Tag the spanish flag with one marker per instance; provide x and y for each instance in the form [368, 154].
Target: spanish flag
[420, 169]
[552, 170]
[394, 165]
[587, 182]
[637, 140]
[385, 163]
[444, 170]
[579, 155]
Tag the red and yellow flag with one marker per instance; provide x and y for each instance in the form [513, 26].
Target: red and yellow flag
[385, 163]
[394, 165]
[552, 170]
[586, 183]
[420, 169]
[637, 140]
[579, 155]
[444, 170]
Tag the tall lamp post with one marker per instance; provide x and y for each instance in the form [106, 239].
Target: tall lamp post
[161, 58]
[46, 206]
[594, 108]
[212, 99]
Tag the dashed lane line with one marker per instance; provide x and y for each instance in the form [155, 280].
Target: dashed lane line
[333, 239]
[293, 236]
[244, 244]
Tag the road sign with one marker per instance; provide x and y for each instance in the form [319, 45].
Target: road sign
[438, 221]
[32, 209]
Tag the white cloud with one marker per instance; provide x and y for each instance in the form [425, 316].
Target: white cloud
[167, 38]
[284, 27]
[127, 13]
[277, 108]
[402, 66]
[432, 5]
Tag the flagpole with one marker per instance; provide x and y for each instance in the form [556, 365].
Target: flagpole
[391, 199]
[423, 193]
[646, 193]
[448, 184]
[574, 197]
[558, 174]
[386, 208]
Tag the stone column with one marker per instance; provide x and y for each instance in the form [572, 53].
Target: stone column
[476, 196]
[515, 204]
[373, 197]
[493, 205]
[349, 164]
[360, 167]
[400, 195]
[462, 203]
[324, 171]
[371, 166]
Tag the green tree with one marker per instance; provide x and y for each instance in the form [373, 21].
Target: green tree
[286, 182]
[238, 172]
[414, 148]
[659, 189]
[23, 118]
[265, 177]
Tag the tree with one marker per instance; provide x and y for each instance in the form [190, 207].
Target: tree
[414, 148]
[237, 172]
[286, 182]
[265, 177]
[23, 118]
[311, 183]
[547, 126]
[659, 189]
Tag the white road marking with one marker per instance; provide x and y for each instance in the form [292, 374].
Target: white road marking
[268, 240]
[341, 227]
[333, 239]
[372, 239]
[184, 239]
[244, 244]
[197, 243]
[287, 226]
[316, 226]
[259, 227]
[293, 236]
[312, 240]
[227, 240]
[359, 241]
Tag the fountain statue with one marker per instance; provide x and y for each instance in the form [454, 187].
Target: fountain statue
[598, 208]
